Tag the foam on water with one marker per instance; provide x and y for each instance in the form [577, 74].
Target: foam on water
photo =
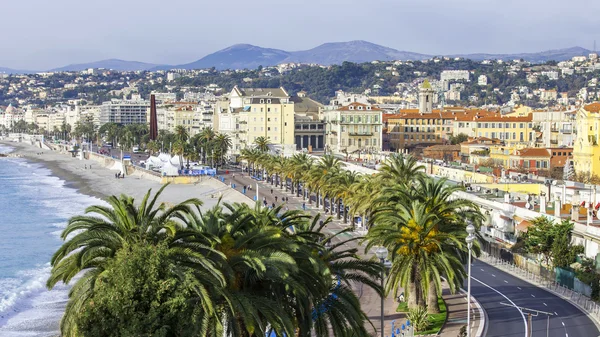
[34, 209]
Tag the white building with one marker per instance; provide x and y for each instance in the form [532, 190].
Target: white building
[482, 80]
[164, 97]
[172, 77]
[455, 75]
[124, 112]
[553, 75]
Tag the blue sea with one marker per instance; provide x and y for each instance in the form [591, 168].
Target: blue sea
[34, 208]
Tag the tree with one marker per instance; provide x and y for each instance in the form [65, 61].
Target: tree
[551, 241]
[461, 137]
[141, 292]
[92, 241]
[262, 143]
[181, 134]
[222, 144]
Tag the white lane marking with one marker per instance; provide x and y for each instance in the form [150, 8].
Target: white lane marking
[481, 269]
[508, 299]
[519, 288]
[493, 275]
[563, 323]
[505, 281]
[555, 313]
[532, 295]
[545, 304]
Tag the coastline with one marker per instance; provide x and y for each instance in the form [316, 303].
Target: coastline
[91, 179]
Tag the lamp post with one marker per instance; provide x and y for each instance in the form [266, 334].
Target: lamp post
[470, 238]
[382, 254]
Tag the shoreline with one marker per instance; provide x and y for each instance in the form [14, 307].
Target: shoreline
[90, 178]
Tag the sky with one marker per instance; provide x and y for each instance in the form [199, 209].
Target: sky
[45, 34]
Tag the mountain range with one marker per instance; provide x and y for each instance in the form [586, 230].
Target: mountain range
[246, 56]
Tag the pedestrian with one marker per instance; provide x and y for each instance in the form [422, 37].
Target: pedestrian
[304, 206]
[85, 167]
[275, 198]
[116, 176]
[271, 191]
[273, 205]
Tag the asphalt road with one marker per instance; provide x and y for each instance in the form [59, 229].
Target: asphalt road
[490, 286]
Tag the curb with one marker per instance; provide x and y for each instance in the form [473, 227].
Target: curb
[541, 286]
[483, 317]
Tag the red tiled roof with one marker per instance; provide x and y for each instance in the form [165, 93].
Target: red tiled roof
[534, 152]
[594, 107]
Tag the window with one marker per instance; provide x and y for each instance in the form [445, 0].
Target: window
[253, 109]
[268, 119]
[514, 136]
[359, 107]
[262, 119]
[276, 119]
[269, 102]
[275, 128]
[521, 125]
[255, 119]
[554, 153]
[275, 110]
[262, 101]
[367, 142]
[268, 129]
[343, 128]
[262, 128]
[261, 110]
[255, 128]
[268, 109]
[343, 142]
[275, 137]
[358, 119]
[376, 128]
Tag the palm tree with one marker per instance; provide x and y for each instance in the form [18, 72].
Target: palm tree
[222, 144]
[153, 147]
[401, 169]
[93, 239]
[424, 228]
[262, 143]
[181, 134]
[178, 149]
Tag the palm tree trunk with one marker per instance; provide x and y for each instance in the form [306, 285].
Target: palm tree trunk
[432, 299]
[339, 208]
[317, 199]
[345, 214]
[324, 203]
[297, 188]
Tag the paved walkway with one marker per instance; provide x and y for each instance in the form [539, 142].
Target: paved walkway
[370, 300]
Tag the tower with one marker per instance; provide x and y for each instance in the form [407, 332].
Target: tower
[426, 98]
[153, 120]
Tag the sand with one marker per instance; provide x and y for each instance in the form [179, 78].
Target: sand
[100, 182]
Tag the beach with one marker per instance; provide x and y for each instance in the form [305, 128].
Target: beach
[39, 191]
[90, 178]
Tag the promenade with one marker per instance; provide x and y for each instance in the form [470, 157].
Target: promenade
[370, 300]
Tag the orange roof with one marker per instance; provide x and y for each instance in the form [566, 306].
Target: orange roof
[594, 107]
[356, 104]
[501, 118]
[534, 152]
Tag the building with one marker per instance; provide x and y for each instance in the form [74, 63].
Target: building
[124, 112]
[426, 94]
[309, 126]
[548, 95]
[446, 153]
[511, 130]
[268, 112]
[540, 161]
[11, 116]
[556, 128]
[455, 75]
[342, 99]
[353, 128]
[172, 77]
[164, 97]
[482, 80]
[586, 152]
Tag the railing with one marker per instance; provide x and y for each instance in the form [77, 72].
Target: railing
[566, 131]
[361, 133]
[553, 141]
[584, 302]
[553, 129]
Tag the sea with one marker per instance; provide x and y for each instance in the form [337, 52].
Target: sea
[34, 209]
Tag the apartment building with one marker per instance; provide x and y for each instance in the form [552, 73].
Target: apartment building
[124, 112]
[268, 112]
[309, 127]
[11, 116]
[586, 152]
[556, 127]
[511, 130]
[354, 127]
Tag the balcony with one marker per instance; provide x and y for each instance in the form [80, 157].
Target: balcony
[554, 141]
[554, 129]
[361, 133]
[566, 131]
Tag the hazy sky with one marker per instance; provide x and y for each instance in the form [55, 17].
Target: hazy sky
[42, 34]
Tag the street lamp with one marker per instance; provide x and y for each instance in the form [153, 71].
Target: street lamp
[470, 238]
[382, 254]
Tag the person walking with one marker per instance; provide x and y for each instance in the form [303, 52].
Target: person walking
[304, 206]
[275, 198]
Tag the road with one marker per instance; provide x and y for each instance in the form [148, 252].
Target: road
[490, 286]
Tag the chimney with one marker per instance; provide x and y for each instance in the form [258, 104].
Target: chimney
[575, 207]
[543, 203]
[557, 207]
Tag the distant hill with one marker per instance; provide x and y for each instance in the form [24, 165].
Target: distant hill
[114, 64]
[14, 71]
[247, 56]
[352, 51]
[549, 55]
[239, 56]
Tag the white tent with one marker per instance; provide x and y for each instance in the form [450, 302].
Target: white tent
[168, 169]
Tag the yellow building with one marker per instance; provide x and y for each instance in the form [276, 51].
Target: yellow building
[353, 128]
[514, 131]
[586, 152]
[265, 112]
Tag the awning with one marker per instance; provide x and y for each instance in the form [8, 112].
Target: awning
[505, 218]
[523, 225]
